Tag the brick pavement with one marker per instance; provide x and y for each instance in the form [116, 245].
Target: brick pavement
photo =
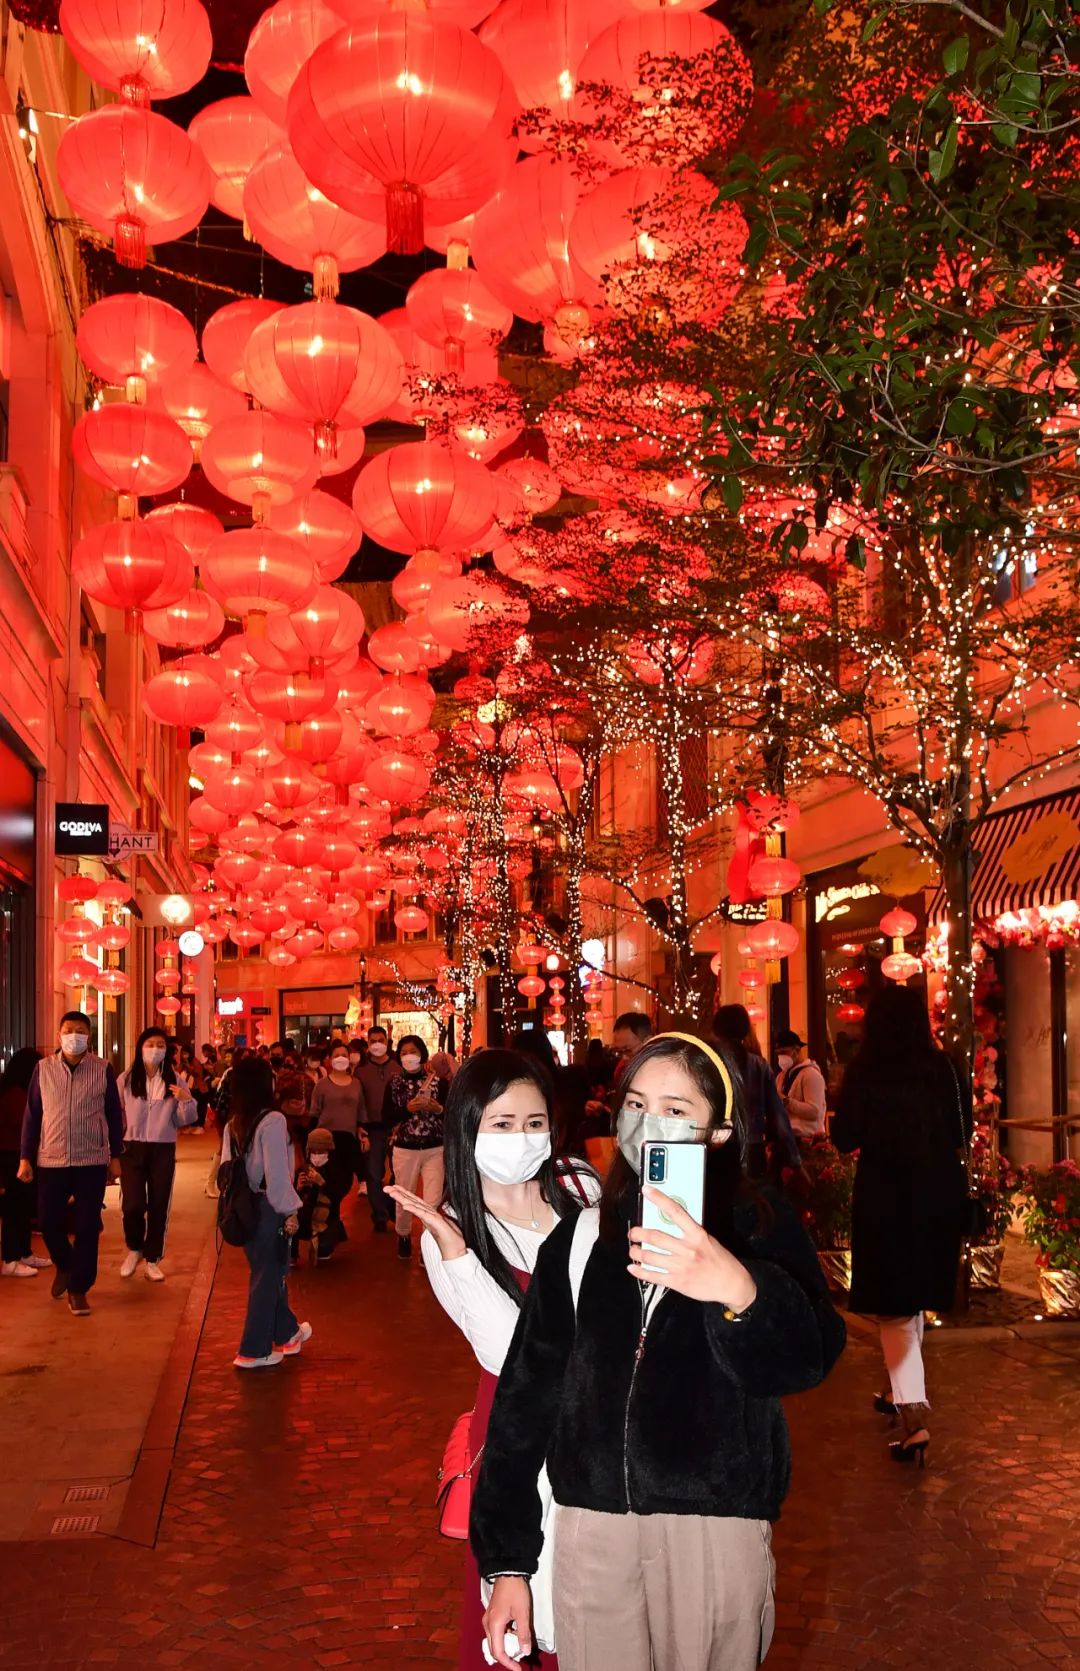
[298, 1527]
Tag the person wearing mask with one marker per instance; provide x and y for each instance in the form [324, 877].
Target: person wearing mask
[506, 1190]
[258, 1132]
[16, 1197]
[337, 1105]
[630, 1032]
[801, 1085]
[375, 1075]
[156, 1103]
[906, 1107]
[322, 1183]
[655, 1399]
[413, 1107]
[772, 1148]
[357, 1054]
[72, 1136]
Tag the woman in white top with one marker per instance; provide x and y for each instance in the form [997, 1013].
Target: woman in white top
[505, 1192]
[156, 1103]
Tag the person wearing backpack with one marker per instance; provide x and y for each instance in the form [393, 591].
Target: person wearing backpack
[257, 1211]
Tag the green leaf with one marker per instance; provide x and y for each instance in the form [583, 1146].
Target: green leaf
[941, 162]
[960, 419]
[897, 185]
[955, 55]
[872, 26]
[733, 494]
[1006, 133]
[755, 243]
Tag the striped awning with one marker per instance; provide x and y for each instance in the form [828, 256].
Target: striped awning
[1026, 856]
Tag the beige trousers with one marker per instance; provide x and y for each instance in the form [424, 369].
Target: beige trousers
[420, 1171]
[662, 1592]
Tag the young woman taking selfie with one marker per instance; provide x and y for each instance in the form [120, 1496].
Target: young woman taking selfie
[505, 1193]
[655, 1400]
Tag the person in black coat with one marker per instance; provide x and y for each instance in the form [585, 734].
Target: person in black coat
[655, 1400]
[906, 1107]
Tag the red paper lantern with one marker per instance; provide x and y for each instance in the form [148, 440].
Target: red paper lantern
[202, 816]
[422, 496]
[400, 708]
[234, 730]
[394, 648]
[541, 43]
[291, 697]
[328, 529]
[135, 341]
[190, 524]
[327, 626]
[232, 135]
[521, 248]
[410, 919]
[316, 738]
[141, 49]
[253, 572]
[750, 979]
[534, 485]
[260, 460]
[399, 98]
[226, 334]
[299, 226]
[168, 1006]
[531, 986]
[398, 778]
[773, 938]
[413, 586]
[77, 887]
[131, 449]
[429, 391]
[772, 877]
[898, 923]
[112, 982]
[132, 566]
[850, 980]
[281, 42]
[77, 971]
[134, 176]
[197, 400]
[191, 623]
[187, 694]
[850, 1012]
[234, 791]
[343, 939]
[237, 870]
[460, 609]
[455, 311]
[338, 365]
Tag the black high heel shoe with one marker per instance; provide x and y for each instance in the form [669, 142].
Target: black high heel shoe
[911, 1448]
[884, 1406]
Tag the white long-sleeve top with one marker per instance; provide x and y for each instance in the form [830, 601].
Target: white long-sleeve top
[485, 1314]
[805, 1100]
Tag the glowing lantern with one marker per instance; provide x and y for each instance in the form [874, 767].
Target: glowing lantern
[850, 980]
[421, 496]
[773, 938]
[281, 42]
[132, 450]
[534, 485]
[191, 623]
[112, 982]
[253, 572]
[771, 876]
[77, 887]
[187, 694]
[541, 43]
[77, 929]
[428, 390]
[260, 460]
[234, 791]
[291, 697]
[900, 967]
[394, 648]
[134, 176]
[226, 335]
[531, 986]
[458, 609]
[328, 529]
[898, 924]
[135, 341]
[750, 979]
[209, 819]
[232, 135]
[521, 248]
[238, 870]
[77, 971]
[141, 49]
[402, 99]
[850, 1012]
[234, 730]
[132, 566]
[343, 939]
[413, 586]
[400, 708]
[189, 524]
[399, 778]
[168, 1006]
[338, 364]
[197, 400]
[455, 311]
[326, 627]
[316, 738]
[410, 919]
[298, 225]
[280, 957]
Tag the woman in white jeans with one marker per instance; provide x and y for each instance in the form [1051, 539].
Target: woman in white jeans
[413, 1105]
[906, 1108]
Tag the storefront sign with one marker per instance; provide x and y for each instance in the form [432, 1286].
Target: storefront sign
[743, 911]
[1046, 843]
[899, 871]
[230, 1006]
[81, 828]
[123, 840]
[833, 902]
[261, 1009]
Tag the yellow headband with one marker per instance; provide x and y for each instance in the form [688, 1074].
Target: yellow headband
[717, 1061]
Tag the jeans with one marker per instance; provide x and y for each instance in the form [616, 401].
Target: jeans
[375, 1159]
[146, 1183]
[270, 1320]
[16, 1209]
[56, 1186]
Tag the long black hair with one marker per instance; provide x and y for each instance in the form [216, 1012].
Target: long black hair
[20, 1070]
[484, 1078]
[136, 1077]
[904, 1077]
[726, 1163]
[251, 1093]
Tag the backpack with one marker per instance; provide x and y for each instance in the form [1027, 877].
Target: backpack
[238, 1203]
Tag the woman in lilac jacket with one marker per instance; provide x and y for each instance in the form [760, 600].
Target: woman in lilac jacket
[156, 1103]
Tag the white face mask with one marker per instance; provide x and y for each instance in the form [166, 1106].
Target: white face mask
[786, 1060]
[412, 1064]
[377, 1048]
[153, 1055]
[634, 1128]
[340, 1064]
[74, 1044]
[318, 1161]
[511, 1157]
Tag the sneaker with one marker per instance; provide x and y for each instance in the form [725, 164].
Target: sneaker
[300, 1338]
[154, 1272]
[78, 1305]
[271, 1358]
[59, 1285]
[404, 1247]
[131, 1263]
[36, 1262]
[16, 1267]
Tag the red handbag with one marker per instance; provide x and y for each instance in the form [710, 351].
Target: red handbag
[455, 1480]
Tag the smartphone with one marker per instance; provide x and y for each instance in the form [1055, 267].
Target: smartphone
[679, 1170]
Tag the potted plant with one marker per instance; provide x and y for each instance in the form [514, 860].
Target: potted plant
[997, 1184]
[829, 1178]
[1051, 1198]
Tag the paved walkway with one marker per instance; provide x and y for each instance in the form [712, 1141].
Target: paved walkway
[293, 1524]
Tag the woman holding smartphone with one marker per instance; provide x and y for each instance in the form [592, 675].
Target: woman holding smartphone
[505, 1193]
[157, 1103]
[655, 1399]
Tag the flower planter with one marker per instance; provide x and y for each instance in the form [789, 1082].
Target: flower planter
[1060, 1292]
[836, 1265]
[986, 1261]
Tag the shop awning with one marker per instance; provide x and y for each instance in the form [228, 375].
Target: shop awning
[1028, 855]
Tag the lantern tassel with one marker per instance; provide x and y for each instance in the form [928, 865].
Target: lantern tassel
[404, 219]
[454, 349]
[325, 279]
[326, 439]
[129, 241]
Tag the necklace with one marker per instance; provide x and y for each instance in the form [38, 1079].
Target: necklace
[532, 1223]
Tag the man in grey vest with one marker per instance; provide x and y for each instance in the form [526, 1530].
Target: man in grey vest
[73, 1134]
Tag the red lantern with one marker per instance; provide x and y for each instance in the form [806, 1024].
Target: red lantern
[189, 524]
[421, 496]
[413, 586]
[281, 42]
[326, 627]
[900, 966]
[135, 341]
[168, 1006]
[260, 460]
[428, 392]
[132, 566]
[187, 694]
[232, 134]
[328, 529]
[234, 730]
[394, 648]
[234, 791]
[343, 939]
[298, 225]
[291, 697]
[77, 971]
[772, 877]
[454, 311]
[134, 176]
[197, 400]
[459, 609]
[773, 938]
[850, 1012]
[226, 334]
[750, 979]
[190, 623]
[112, 982]
[399, 98]
[398, 778]
[850, 980]
[520, 245]
[541, 43]
[253, 572]
[77, 929]
[411, 920]
[338, 365]
[238, 870]
[534, 485]
[400, 708]
[202, 816]
[131, 449]
[531, 986]
[141, 49]
[77, 887]
[898, 923]
[315, 739]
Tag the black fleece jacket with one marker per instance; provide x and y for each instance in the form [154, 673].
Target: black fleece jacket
[683, 1420]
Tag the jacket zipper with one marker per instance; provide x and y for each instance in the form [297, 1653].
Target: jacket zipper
[639, 1353]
